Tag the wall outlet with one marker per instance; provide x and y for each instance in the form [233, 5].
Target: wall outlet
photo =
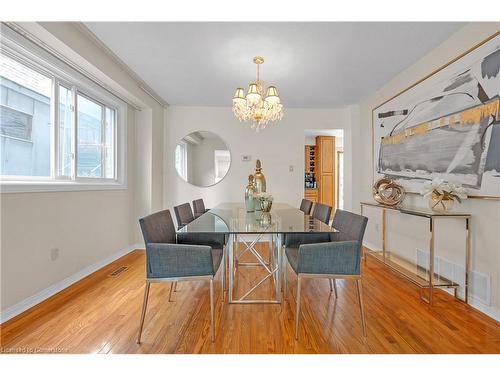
[246, 157]
[290, 168]
[54, 254]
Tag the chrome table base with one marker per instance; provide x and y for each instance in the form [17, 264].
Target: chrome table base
[272, 266]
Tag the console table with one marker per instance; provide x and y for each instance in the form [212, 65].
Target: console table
[430, 279]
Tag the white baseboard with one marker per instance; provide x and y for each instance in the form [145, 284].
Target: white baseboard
[29, 302]
[370, 246]
[491, 311]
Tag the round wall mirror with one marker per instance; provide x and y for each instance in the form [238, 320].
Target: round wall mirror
[202, 158]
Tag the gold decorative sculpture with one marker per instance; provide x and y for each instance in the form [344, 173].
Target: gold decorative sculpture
[259, 178]
[386, 191]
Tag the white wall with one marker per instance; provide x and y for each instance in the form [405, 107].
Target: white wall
[87, 227]
[278, 146]
[486, 213]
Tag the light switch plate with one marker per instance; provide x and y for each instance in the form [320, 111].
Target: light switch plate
[290, 168]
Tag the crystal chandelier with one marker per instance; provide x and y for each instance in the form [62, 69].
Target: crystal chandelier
[256, 107]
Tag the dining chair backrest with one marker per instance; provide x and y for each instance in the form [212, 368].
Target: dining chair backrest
[158, 228]
[305, 206]
[198, 207]
[349, 226]
[322, 212]
[183, 214]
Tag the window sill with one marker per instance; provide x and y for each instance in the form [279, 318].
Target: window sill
[54, 186]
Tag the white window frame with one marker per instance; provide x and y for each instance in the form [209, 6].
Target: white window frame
[20, 49]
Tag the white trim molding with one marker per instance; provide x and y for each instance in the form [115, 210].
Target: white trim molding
[41, 296]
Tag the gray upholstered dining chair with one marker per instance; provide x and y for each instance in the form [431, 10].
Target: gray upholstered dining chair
[173, 258]
[198, 208]
[183, 214]
[335, 255]
[305, 206]
[322, 212]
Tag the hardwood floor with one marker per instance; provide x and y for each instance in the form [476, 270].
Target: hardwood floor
[100, 314]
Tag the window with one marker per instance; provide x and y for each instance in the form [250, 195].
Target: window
[56, 125]
[25, 125]
[181, 160]
[95, 139]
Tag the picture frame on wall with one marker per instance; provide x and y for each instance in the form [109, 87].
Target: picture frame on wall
[446, 125]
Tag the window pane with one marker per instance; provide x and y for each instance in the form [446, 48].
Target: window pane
[65, 131]
[89, 138]
[181, 160]
[25, 126]
[110, 143]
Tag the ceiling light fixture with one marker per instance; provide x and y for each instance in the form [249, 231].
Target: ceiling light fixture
[256, 107]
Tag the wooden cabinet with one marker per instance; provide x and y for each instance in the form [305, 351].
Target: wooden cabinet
[325, 169]
[311, 195]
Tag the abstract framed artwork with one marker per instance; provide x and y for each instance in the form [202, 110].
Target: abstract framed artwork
[446, 126]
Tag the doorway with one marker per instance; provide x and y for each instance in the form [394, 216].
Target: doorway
[324, 167]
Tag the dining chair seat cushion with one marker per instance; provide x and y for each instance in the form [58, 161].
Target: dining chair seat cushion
[297, 239]
[215, 240]
[181, 260]
[334, 258]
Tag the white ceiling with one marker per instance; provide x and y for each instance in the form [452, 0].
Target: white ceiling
[314, 65]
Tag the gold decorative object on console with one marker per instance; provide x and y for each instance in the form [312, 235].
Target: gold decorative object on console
[440, 203]
[386, 191]
[259, 178]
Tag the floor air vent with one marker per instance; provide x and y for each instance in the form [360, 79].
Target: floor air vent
[118, 271]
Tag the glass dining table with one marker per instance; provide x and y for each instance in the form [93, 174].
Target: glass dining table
[254, 239]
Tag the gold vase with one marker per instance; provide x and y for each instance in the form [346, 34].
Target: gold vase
[259, 178]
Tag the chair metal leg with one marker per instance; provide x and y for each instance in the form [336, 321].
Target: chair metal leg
[173, 285]
[334, 283]
[143, 314]
[297, 309]
[331, 285]
[361, 306]
[212, 330]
